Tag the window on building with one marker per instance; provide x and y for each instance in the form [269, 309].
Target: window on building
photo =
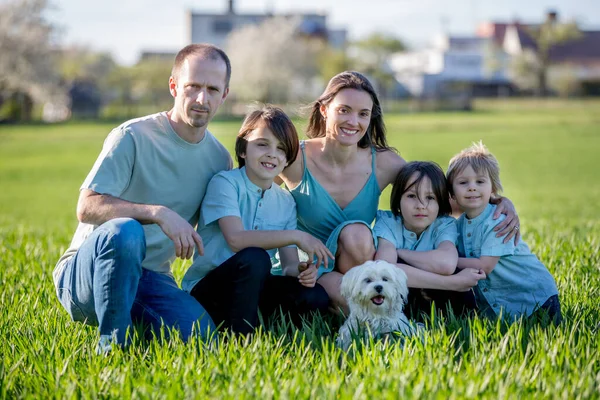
[222, 26]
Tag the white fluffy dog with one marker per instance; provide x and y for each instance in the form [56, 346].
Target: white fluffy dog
[376, 293]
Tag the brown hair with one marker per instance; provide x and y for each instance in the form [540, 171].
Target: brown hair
[278, 122]
[481, 160]
[375, 135]
[205, 50]
[424, 169]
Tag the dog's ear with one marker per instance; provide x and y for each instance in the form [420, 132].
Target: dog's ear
[349, 281]
[400, 280]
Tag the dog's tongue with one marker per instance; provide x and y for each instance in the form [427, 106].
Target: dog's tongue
[378, 300]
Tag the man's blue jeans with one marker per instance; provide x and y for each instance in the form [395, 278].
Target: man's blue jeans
[104, 285]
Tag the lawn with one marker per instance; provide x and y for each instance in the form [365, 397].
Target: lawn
[548, 152]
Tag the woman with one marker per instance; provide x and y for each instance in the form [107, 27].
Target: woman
[338, 176]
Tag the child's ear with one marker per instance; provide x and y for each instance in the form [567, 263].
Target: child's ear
[242, 155]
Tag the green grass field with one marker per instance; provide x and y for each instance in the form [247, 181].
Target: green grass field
[550, 162]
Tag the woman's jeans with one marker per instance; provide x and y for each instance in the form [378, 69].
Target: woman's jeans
[104, 285]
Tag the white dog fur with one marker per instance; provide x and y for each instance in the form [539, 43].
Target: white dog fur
[376, 293]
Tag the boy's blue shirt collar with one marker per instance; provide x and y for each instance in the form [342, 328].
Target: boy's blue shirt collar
[251, 185]
[410, 235]
[489, 209]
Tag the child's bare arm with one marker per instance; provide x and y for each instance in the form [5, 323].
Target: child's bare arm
[440, 261]
[238, 238]
[485, 263]
[291, 266]
[461, 282]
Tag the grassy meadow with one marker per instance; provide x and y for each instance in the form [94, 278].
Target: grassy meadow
[549, 157]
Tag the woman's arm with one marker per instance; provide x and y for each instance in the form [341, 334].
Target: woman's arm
[510, 226]
[238, 238]
[440, 261]
[388, 165]
[292, 174]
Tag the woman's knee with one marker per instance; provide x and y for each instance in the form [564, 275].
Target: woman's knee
[357, 238]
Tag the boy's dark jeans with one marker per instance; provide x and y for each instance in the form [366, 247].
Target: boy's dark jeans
[420, 301]
[233, 292]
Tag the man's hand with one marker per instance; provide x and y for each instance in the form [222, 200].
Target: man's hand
[183, 235]
[510, 226]
[466, 279]
[314, 248]
[308, 274]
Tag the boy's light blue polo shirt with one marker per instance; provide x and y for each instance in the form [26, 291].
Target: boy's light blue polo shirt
[231, 193]
[391, 228]
[519, 283]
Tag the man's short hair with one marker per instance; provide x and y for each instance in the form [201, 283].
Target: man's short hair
[205, 50]
[481, 160]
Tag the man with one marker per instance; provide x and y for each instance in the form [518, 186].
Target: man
[138, 207]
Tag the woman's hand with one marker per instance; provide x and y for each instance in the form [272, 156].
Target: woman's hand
[510, 227]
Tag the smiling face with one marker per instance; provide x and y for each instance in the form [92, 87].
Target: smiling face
[265, 156]
[199, 90]
[347, 116]
[418, 205]
[472, 191]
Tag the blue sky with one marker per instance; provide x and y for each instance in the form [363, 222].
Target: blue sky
[126, 27]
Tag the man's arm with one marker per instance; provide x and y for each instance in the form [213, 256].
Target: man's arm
[94, 208]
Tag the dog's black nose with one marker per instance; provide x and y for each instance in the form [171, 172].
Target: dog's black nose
[378, 288]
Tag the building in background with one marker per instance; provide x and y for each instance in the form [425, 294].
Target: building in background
[579, 58]
[215, 28]
[453, 64]
[481, 64]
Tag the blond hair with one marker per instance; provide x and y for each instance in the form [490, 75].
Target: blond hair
[481, 160]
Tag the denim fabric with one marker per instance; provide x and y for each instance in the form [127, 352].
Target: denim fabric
[231, 292]
[104, 285]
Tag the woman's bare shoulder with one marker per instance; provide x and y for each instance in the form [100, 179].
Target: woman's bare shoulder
[388, 164]
[389, 160]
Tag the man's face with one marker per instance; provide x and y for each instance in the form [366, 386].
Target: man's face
[199, 90]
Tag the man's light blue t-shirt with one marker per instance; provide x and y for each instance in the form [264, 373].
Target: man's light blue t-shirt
[391, 228]
[145, 161]
[231, 193]
[519, 283]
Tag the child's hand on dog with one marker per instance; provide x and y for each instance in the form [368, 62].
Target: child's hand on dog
[308, 274]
